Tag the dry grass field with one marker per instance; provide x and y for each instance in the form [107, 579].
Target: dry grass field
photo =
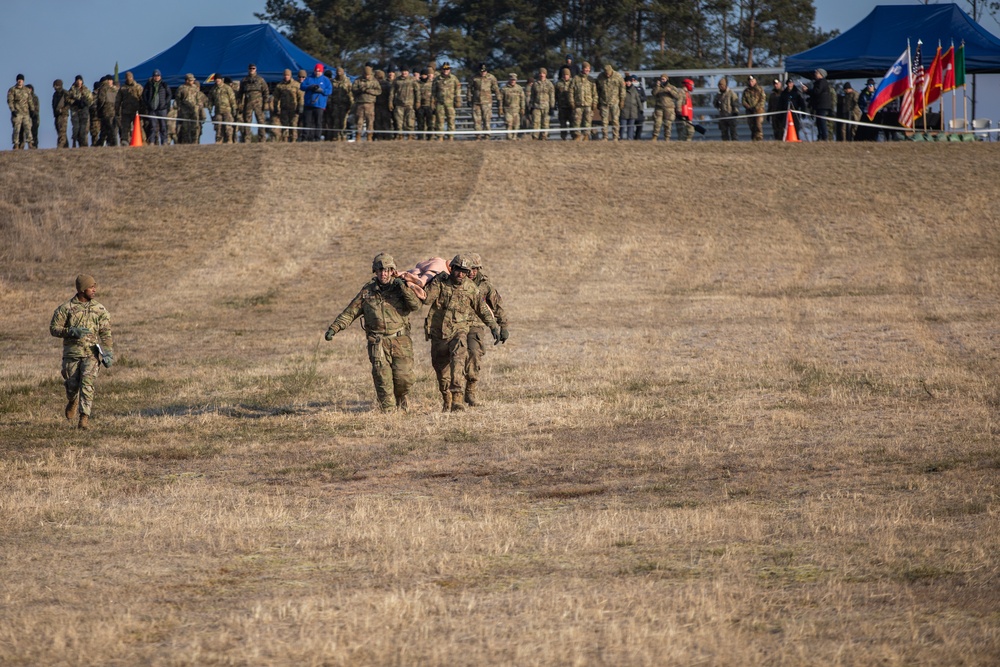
[748, 413]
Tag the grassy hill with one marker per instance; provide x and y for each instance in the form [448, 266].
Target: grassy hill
[747, 414]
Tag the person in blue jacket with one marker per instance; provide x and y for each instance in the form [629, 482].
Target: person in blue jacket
[317, 89]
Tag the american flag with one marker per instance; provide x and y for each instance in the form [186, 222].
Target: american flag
[914, 97]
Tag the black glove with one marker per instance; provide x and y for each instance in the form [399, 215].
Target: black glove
[399, 282]
[330, 333]
[504, 335]
[77, 332]
[315, 88]
[107, 359]
[496, 335]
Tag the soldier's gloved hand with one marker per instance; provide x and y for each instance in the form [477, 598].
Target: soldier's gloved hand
[107, 359]
[496, 335]
[330, 333]
[77, 332]
[504, 335]
[399, 282]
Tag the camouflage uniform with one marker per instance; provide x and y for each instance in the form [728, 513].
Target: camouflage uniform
[60, 113]
[512, 107]
[339, 105]
[665, 108]
[482, 90]
[128, 103]
[224, 101]
[583, 93]
[252, 95]
[728, 105]
[610, 99]
[425, 107]
[453, 309]
[753, 101]
[447, 97]
[541, 101]
[188, 101]
[107, 95]
[288, 103]
[403, 100]
[79, 99]
[852, 111]
[80, 362]
[475, 340]
[95, 118]
[366, 90]
[564, 105]
[383, 114]
[385, 316]
[19, 102]
[35, 117]
[172, 123]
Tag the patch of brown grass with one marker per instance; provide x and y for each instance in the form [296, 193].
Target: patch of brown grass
[747, 414]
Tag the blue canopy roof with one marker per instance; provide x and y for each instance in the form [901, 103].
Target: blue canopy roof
[226, 51]
[872, 46]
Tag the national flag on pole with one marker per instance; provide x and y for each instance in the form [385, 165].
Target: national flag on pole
[913, 99]
[933, 82]
[948, 70]
[895, 83]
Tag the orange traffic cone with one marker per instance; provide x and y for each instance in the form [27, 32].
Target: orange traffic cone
[790, 134]
[136, 132]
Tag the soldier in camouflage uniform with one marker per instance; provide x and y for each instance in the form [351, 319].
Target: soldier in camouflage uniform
[610, 100]
[482, 90]
[79, 99]
[564, 102]
[447, 98]
[583, 92]
[19, 102]
[403, 101]
[425, 104]
[728, 105]
[35, 117]
[83, 324]
[95, 119]
[224, 101]
[60, 113]
[512, 105]
[107, 95]
[541, 101]
[339, 105]
[366, 90]
[852, 111]
[188, 111]
[127, 104]
[383, 114]
[455, 302]
[475, 340]
[665, 96]
[384, 305]
[252, 95]
[288, 106]
[754, 100]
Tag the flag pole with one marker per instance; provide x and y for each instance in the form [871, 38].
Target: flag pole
[954, 109]
[923, 106]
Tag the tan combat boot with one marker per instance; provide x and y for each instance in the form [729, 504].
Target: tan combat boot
[446, 401]
[84, 422]
[470, 394]
[456, 403]
[71, 409]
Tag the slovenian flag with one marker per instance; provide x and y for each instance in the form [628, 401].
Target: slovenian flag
[895, 84]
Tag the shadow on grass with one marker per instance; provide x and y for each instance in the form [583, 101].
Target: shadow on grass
[253, 411]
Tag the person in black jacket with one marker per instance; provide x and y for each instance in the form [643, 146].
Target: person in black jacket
[156, 98]
[792, 99]
[820, 102]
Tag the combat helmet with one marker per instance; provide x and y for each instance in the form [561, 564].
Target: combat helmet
[383, 261]
[461, 263]
[475, 260]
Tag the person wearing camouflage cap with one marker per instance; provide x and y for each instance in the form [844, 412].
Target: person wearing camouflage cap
[610, 100]
[384, 305]
[19, 102]
[447, 92]
[583, 92]
[483, 89]
[289, 103]
[512, 105]
[366, 90]
[455, 303]
[476, 346]
[189, 106]
[85, 327]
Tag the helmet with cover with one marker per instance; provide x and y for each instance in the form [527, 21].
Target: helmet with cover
[383, 261]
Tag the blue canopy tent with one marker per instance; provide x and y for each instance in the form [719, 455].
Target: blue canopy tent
[226, 51]
[872, 46]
